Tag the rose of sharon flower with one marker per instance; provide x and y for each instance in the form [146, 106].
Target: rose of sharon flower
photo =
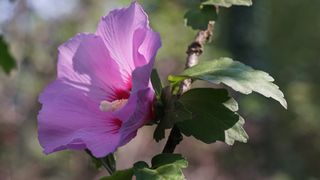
[102, 94]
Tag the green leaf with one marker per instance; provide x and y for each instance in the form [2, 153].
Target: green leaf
[237, 132]
[198, 18]
[232, 105]
[228, 3]
[156, 82]
[173, 112]
[236, 75]
[6, 60]
[210, 117]
[140, 165]
[120, 175]
[165, 167]
[167, 158]
[109, 162]
[97, 162]
[176, 113]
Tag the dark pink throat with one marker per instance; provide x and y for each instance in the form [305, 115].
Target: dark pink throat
[117, 123]
[124, 93]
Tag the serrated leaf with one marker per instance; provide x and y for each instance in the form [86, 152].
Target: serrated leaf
[210, 117]
[228, 3]
[156, 82]
[6, 60]
[236, 133]
[198, 18]
[238, 76]
[120, 175]
[166, 166]
[232, 104]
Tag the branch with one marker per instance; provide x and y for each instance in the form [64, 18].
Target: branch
[194, 51]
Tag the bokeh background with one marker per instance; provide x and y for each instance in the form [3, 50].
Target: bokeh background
[280, 37]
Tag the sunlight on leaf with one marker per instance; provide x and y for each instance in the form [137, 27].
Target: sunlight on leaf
[229, 3]
[238, 76]
[237, 132]
[164, 166]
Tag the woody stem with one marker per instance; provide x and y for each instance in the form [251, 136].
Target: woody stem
[194, 51]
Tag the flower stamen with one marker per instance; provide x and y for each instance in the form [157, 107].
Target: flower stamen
[107, 106]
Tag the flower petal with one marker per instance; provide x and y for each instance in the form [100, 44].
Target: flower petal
[144, 57]
[70, 120]
[101, 67]
[117, 30]
[145, 46]
[85, 63]
[135, 114]
[138, 110]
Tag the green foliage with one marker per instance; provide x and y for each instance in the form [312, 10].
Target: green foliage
[109, 162]
[120, 175]
[228, 3]
[210, 117]
[202, 113]
[97, 162]
[173, 115]
[198, 18]
[6, 60]
[237, 132]
[173, 112]
[164, 167]
[156, 82]
[165, 158]
[234, 74]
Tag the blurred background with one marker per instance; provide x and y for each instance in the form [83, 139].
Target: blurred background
[280, 37]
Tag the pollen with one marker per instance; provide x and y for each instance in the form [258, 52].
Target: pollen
[107, 106]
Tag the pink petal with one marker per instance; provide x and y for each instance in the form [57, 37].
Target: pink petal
[70, 120]
[85, 63]
[93, 68]
[144, 57]
[138, 110]
[135, 114]
[145, 46]
[117, 30]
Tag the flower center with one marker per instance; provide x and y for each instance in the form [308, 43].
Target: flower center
[106, 106]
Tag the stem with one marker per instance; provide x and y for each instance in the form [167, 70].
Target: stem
[194, 51]
[107, 162]
[174, 139]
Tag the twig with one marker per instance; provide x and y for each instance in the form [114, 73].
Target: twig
[195, 49]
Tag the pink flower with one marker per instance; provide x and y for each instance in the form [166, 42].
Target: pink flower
[102, 94]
